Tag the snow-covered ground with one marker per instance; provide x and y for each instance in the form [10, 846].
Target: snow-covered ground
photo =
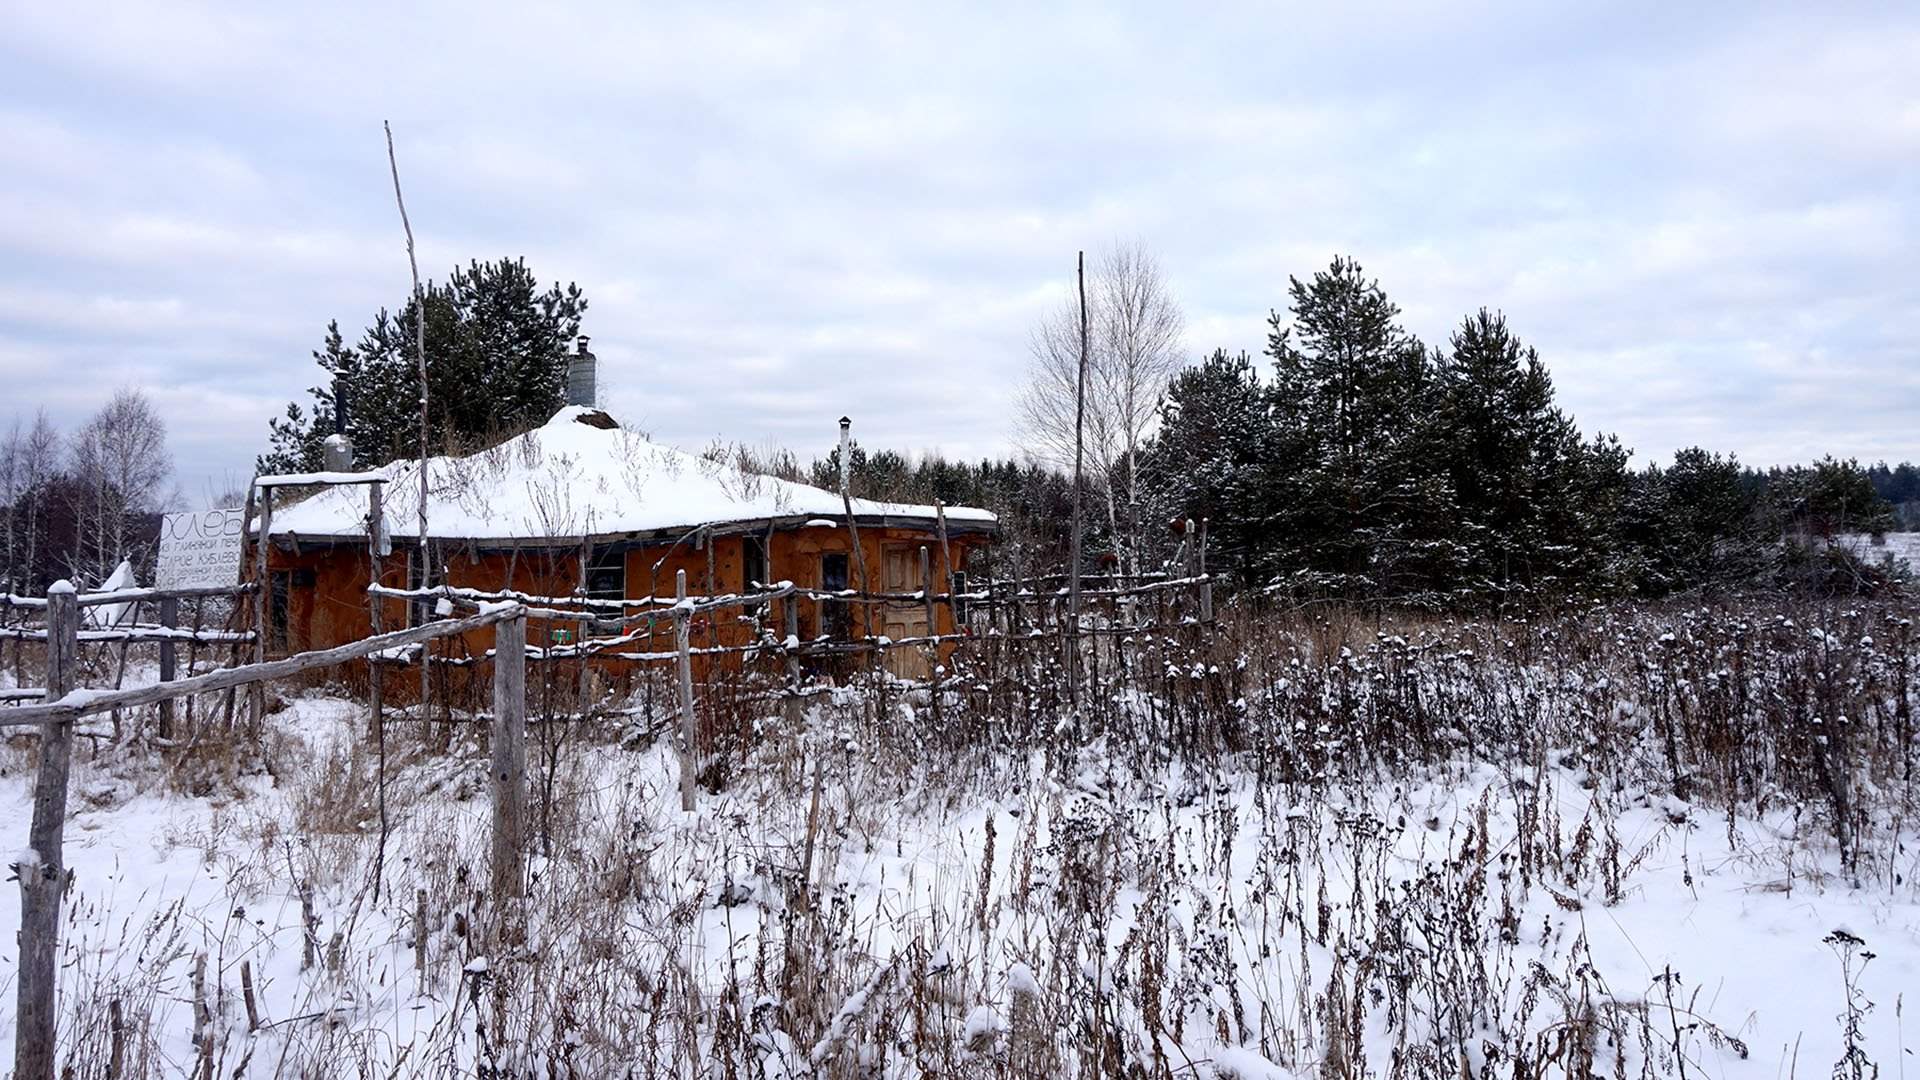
[1021, 916]
[1901, 547]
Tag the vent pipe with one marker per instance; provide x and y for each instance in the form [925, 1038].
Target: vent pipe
[846, 438]
[336, 451]
[581, 371]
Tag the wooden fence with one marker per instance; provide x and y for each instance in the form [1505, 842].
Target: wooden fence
[1025, 625]
[41, 869]
[169, 629]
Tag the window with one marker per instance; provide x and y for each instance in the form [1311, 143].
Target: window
[834, 621]
[606, 580]
[280, 606]
[753, 563]
[421, 610]
[277, 611]
[753, 572]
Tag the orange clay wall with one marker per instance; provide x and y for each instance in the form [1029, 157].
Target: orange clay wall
[335, 610]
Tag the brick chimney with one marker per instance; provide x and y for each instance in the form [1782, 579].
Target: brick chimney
[581, 368]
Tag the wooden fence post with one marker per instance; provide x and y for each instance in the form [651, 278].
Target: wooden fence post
[682, 622]
[262, 598]
[42, 883]
[376, 614]
[169, 618]
[1206, 587]
[791, 606]
[926, 591]
[509, 759]
[933, 631]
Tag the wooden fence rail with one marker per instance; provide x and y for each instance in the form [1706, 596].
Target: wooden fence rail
[137, 634]
[130, 596]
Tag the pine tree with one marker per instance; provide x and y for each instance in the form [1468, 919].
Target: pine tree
[1205, 459]
[1347, 479]
[1829, 498]
[1515, 461]
[496, 347]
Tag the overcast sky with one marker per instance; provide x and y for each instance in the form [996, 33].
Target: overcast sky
[1704, 216]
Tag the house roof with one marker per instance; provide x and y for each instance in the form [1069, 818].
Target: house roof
[581, 474]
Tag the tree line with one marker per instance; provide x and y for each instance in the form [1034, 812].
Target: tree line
[1365, 463]
[75, 505]
[1349, 459]
[1353, 460]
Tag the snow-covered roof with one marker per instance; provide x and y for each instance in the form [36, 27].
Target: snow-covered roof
[579, 474]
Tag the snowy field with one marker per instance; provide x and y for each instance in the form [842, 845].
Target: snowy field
[1900, 547]
[1573, 849]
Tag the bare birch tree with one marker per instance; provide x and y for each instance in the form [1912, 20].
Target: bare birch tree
[10, 492]
[120, 459]
[36, 457]
[1135, 326]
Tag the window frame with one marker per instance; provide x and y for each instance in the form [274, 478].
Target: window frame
[836, 616]
[604, 560]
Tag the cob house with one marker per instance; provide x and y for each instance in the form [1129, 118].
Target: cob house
[582, 507]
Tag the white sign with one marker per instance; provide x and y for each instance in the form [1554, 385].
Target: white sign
[201, 549]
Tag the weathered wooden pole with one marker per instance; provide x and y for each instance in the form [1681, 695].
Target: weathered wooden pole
[420, 352]
[926, 590]
[1191, 548]
[376, 676]
[791, 610]
[1206, 587]
[42, 871]
[257, 693]
[1072, 636]
[933, 630]
[946, 551]
[509, 773]
[169, 618]
[377, 547]
[586, 624]
[682, 624]
[853, 527]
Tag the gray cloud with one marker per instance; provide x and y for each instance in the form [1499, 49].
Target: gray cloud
[1703, 216]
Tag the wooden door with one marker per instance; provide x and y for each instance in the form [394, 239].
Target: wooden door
[904, 618]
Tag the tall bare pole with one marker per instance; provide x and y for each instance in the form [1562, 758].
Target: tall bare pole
[853, 526]
[1079, 458]
[420, 349]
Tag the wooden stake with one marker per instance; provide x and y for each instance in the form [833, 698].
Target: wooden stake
[257, 693]
[1206, 587]
[170, 618]
[42, 883]
[933, 630]
[509, 772]
[682, 621]
[791, 610]
[116, 1040]
[376, 608]
[202, 1021]
[420, 935]
[246, 994]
